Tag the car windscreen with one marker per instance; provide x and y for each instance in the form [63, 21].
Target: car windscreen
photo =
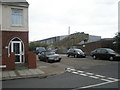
[50, 53]
[78, 50]
[110, 51]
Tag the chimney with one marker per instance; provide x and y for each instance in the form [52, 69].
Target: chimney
[69, 30]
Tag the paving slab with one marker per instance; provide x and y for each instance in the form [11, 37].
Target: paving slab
[40, 71]
[27, 72]
[12, 73]
[43, 69]
[33, 71]
[5, 74]
[21, 72]
[0, 75]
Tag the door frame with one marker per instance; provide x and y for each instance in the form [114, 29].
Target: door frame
[19, 54]
[22, 50]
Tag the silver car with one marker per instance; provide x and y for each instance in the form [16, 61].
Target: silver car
[49, 56]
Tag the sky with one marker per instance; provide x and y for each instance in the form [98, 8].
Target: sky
[49, 18]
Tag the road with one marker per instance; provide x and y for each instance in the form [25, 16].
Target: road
[87, 73]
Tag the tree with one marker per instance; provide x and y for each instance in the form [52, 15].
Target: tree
[117, 41]
[33, 45]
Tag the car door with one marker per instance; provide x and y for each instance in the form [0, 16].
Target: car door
[104, 54]
[43, 56]
[98, 53]
[71, 52]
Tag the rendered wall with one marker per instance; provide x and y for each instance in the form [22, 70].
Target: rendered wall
[0, 34]
[0, 16]
[13, 0]
[119, 16]
[0, 45]
[7, 22]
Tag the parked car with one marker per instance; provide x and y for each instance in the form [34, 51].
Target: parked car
[40, 50]
[76, 53]
[105, 53]
[49, 56]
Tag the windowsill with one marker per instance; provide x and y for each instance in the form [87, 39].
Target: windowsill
[15, 25]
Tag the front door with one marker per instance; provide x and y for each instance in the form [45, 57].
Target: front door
[16, 47]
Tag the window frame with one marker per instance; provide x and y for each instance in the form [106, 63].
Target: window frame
[21, 17]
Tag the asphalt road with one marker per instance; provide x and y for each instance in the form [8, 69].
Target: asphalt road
[87, 73]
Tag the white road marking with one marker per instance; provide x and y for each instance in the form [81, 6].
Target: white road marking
[95, 85]
[80, 71]
[75, 72]
[83, 74]
[106, 80]
[91, 75]
[113, 79]
[100, 76]
[94, 77]
[68, 70]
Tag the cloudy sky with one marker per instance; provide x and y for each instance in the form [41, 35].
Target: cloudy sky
[48, 18]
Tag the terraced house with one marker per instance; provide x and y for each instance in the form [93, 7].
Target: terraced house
[14, 31]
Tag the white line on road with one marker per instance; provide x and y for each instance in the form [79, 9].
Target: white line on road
[83, 74]
[106, 80]
[91, 75]
[75, 72]
[113, 79]
[94, 77]
[100, 76]
[95, 85]
[80, 71]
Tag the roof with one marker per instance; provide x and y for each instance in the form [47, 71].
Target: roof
[22, 3]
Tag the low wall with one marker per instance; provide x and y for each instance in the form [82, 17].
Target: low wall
[31, 60]
[8, 63]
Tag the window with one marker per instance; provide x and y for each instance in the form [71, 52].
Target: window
[17, 16]
[98, 50]
[103, 51]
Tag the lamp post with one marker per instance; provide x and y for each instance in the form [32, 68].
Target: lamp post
[72, 41]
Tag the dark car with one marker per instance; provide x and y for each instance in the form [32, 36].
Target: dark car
[40, 50]
[105, 53]
[49, 56]
[76, 53]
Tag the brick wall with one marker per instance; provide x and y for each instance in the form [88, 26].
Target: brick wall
[9, 35]
[9, 62]
[31, 60]
[94, 45]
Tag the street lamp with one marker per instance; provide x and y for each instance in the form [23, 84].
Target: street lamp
[83, 46]
[72, 40]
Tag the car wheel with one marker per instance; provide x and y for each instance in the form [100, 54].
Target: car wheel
[111, 58]
[58, 60]
[75, 56]
[68, 55]
[94, 57]
[47, 60]
[40, 59]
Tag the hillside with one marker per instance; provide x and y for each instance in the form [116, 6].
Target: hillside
[71, 40]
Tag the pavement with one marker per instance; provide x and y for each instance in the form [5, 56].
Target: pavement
[43, 70]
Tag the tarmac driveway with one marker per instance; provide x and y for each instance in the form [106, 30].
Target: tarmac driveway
[84, 63]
